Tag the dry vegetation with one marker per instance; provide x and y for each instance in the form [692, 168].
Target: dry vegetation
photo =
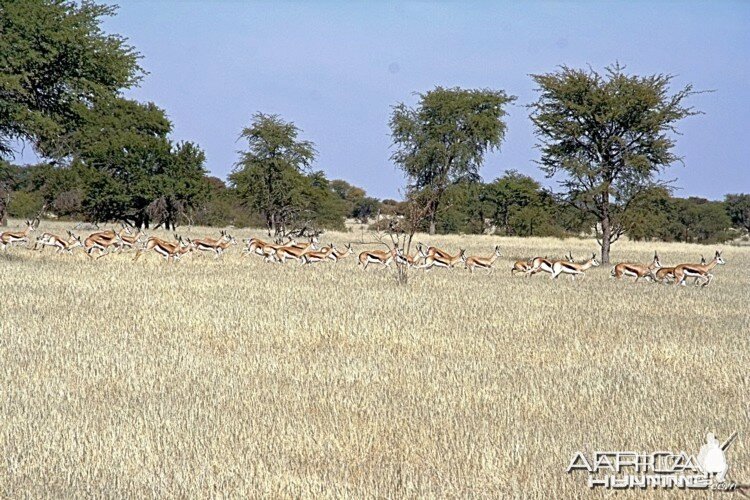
[241, 378]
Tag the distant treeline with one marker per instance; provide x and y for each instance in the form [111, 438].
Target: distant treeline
[512, 205]
[605, 136]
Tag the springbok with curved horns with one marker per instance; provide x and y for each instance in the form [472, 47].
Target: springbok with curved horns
[336, 255]
[376, 257]
[637, 270]
[572, 268]
[539, 264]
[9, 238]
[474, 261]
[52, 240]
[217, 246]
[449, 262]
[698, 271]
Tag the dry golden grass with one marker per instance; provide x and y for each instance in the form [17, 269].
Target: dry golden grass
[238, 378]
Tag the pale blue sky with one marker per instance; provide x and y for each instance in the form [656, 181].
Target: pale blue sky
[335, 69]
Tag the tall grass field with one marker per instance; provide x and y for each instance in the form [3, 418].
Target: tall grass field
[238, 378]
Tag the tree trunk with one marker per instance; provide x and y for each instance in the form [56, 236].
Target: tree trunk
[433, 216]
[606, 234]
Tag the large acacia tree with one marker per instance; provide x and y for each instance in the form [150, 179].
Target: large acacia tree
[268, 174]
[55, 63]
[609, 135]
[445, 137]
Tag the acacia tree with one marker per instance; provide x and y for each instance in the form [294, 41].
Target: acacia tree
[55, 61]
[445, 137]
[268, 173]
[610, 135]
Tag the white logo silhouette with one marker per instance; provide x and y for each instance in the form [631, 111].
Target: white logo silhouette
[711, 457]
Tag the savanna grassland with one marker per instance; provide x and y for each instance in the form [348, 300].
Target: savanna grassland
[238, 378]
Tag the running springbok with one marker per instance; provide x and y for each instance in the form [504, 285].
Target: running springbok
[482, 262]
[319, 256]
[125, 239]
[666, 274]
[435, 259]
[293, 252]
[9, 238]
[166, 249]
[52, 240]
[572, 268]
[100, 241]
[521, 266]
[539, 264]
[214, 245]
[403, 259]
[636, 270]
[684, 271]
[376, 257]
[336, 255]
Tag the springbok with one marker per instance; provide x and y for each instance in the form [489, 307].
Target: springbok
[435, 259]
[101, 242]
[703, 272]
[482, 262]
[293, 252]
[403, 259]
[214, 245]
[666, 274]
[318, 256]
[539, 264]
[376, 257]
[572, 268]
[336, 255]
[166, 249]
[52, 240]
[9, 238]
[521, 266]
[636, 270]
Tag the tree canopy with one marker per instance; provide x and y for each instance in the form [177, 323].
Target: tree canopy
[445, 137]
[272, 177]
[609, 135]
[55, 63]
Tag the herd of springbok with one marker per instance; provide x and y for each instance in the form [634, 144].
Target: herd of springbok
[101, 243]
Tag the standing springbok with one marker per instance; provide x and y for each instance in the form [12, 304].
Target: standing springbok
[684, 271]
[572, 268]
[9, 238]
[482, 262]
[637, 270]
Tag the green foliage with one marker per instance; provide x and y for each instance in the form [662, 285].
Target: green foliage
[56, 62]
[738, 209]
[25, 205]
[700, 220]
[609, 135]
[356, 202]
[270, 178]
[445, 138]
